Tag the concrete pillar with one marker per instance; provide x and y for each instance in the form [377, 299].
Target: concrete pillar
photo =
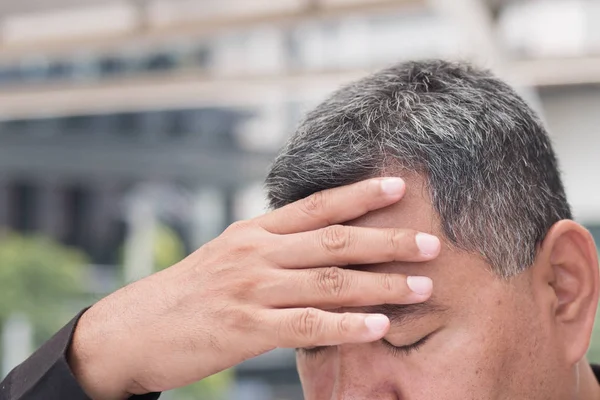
[4, 204]
[104, 214]
[51, 208]
[141, 218]
[249, 201]
[209, 215]
[17, 341]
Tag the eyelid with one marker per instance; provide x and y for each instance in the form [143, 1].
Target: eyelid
[409, 348]
[397, 350]
[312, 351]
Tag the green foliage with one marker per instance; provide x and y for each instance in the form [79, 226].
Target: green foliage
[215, 387]
[594, 350]
[169, 248]
[39, 277]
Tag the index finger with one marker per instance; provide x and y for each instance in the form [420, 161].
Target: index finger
[333, 206]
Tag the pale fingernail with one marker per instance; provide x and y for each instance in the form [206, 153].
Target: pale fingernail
[428, 244]
[377, 324]
[392, 186]
[419, 284]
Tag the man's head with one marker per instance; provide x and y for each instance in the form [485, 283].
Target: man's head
[515, 286]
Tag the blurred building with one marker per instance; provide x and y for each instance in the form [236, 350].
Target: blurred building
[106, 103]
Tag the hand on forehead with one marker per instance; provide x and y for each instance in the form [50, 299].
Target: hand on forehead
[458, 276]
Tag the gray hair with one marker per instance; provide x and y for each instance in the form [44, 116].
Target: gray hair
[490, 168]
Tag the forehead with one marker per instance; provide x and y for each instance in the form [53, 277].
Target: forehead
[456, 274]
[414, 211]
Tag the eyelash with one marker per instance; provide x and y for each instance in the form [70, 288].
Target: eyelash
[405, 350]
[395, 350]
[312, 352]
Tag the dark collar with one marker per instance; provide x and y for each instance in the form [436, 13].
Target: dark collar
[596, 369]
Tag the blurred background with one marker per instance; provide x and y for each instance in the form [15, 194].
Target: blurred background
[133, 131]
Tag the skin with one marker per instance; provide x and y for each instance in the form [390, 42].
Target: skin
[269, 283]
[262, 284]
[522, 338]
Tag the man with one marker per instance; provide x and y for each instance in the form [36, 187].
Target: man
[479, 211]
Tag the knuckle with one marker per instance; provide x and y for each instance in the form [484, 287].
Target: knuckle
[252, 288]
[396, 239]
[244, 290]
[237, 318]
[242, 250]
[240, 226]
[237, 250]
[313, 203]
[332, 281]
[238, 241]
[308, 325]
[336, 238]
[345, 324]
[387, 282]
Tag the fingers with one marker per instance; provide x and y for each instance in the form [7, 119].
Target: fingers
[344, 245]
[309, 327]
[335, 287]
[333, 206]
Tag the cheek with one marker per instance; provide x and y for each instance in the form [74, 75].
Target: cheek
[459, 366]
[495, 356]
[316, 375]
[463, 364]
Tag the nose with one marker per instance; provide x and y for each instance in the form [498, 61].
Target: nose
[358, 376]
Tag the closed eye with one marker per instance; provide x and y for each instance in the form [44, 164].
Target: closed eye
[408, 349]
[396, 350]
[311, 352]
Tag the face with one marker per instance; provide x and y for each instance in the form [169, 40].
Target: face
[486, 338]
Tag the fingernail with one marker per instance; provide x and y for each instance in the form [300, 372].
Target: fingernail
[428, 244]
[392, 186]
[377, 324]
[419, 284]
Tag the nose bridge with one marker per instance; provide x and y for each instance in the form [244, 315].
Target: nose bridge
[357, 378]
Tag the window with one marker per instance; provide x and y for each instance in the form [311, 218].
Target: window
[9, 74]
[160, 62]
[17, 127]
[77, 202]
[60, 70]
[23, 207]
[127, 124]
[77, 124]
[35, 69]
[111, 66]
[177, 123]
[203, 57]
[216, 127]
[108, 254]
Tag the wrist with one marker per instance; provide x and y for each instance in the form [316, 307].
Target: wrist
[92, 361]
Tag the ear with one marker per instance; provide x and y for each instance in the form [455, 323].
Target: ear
[570, 264]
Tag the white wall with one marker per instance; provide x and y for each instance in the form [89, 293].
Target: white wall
[573, 118]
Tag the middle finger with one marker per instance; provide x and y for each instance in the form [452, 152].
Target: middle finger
[349, 245]
[335, 287]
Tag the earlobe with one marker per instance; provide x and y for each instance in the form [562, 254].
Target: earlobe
[572, 258]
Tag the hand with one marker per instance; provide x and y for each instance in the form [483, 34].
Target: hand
[264, 283]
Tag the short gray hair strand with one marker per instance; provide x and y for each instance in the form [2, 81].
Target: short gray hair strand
[491, 171]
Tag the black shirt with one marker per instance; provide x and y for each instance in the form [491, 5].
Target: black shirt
[46, 374]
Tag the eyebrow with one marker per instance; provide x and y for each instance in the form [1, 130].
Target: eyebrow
[400, 314]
